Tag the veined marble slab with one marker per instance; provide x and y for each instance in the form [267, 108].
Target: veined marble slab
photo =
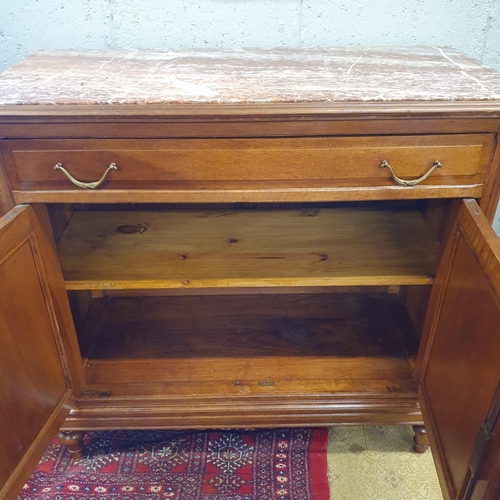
[248, 76]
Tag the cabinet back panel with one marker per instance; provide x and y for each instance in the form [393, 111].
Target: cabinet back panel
[251, 343]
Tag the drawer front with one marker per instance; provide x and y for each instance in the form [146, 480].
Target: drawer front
[253, 164]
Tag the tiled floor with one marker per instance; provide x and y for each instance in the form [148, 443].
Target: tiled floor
[378, 463]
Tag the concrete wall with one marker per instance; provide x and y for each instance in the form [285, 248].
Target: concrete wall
[473, 26]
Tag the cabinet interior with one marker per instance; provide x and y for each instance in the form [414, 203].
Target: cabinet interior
[178, 300]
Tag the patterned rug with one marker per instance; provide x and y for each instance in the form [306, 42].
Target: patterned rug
[284, 464]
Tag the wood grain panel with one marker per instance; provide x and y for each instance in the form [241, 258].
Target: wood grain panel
[462, 335]
[247, 248]
[98, 411]
[220, 360]
[6, 198]
[293, 339]
[231, 163]
[35, 389]
[253, 192]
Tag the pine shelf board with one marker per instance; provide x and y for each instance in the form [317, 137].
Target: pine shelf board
[246, 248]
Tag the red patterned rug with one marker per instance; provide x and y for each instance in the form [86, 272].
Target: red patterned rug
[277, 464]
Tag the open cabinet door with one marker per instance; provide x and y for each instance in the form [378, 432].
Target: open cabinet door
[38, 370]
[458, 372]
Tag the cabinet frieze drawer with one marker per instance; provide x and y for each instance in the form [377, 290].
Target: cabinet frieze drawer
[248, 164]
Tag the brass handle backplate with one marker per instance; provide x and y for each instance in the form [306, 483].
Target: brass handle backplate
[85, 185]
[414, 182]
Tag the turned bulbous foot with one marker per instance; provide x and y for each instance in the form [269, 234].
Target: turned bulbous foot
[420, 439]
[73, 441]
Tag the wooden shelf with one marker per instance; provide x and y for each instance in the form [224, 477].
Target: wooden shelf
[290, 345]
[246, 248]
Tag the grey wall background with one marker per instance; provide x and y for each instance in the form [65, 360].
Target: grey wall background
[472, 26]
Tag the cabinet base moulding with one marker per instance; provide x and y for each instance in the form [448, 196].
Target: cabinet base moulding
[206, 413]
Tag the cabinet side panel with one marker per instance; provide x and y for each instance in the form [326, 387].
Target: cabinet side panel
[6, 198]
[491, 191]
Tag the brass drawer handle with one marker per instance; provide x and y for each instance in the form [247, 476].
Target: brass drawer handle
[402, 182]
[85, 185]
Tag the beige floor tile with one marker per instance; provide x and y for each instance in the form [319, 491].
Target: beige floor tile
[346, 440]
[378, 463]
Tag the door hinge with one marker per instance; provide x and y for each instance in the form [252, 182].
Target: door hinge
[484, 435]
[483, 438]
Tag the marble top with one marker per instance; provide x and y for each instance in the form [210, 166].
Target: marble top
[248, 76]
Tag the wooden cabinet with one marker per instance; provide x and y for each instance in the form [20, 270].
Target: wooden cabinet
[251, 265]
